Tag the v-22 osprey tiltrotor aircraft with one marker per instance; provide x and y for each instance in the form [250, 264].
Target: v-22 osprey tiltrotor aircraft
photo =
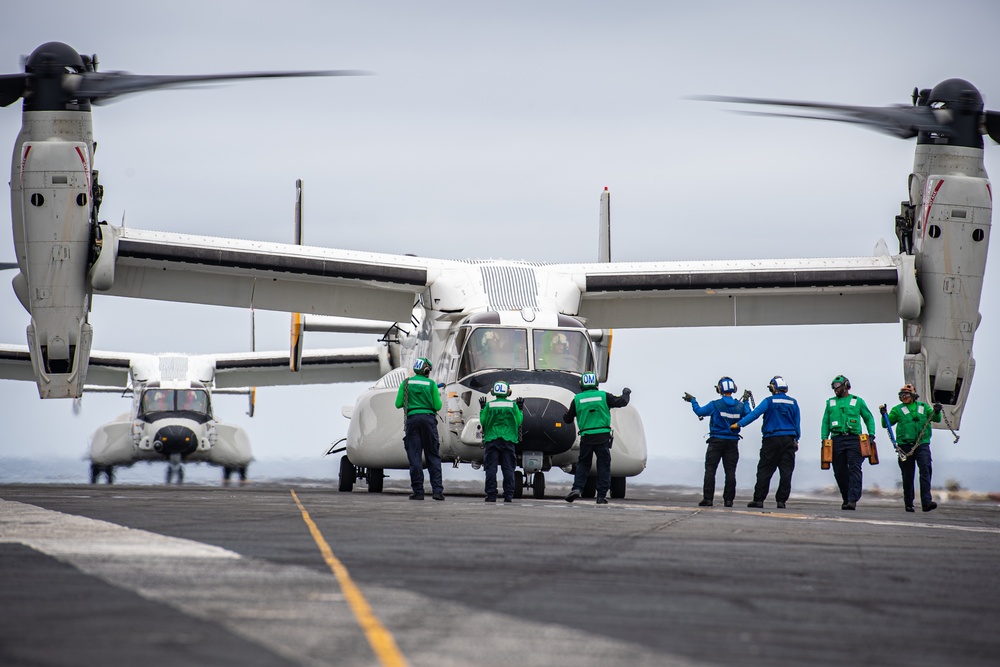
[457, 312]
[172, 417]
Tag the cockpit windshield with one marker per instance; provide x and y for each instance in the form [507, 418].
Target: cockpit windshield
[561, 350]
[172, 400]
[492, 348]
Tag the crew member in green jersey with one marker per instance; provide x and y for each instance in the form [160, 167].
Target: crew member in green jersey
[420, 399]
[842, 422]
[501, 421]
[591, 408]
[913, 437]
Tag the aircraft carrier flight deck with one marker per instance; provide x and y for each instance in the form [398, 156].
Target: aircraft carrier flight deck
[286, 574]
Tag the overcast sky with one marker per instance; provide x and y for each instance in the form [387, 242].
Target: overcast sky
[490, 131]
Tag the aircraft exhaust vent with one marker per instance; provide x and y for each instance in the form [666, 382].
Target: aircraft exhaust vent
[510, 287]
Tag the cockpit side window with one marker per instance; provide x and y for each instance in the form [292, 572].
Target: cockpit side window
[495, 348]
[562, 351]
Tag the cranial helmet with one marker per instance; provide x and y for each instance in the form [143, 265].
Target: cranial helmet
[840, 381]
[588, 380]
[500, 389]
[777, 384]
[422, 366]
[908, 389]
[726, 385]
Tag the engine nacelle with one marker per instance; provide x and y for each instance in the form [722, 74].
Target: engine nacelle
[54, 188]
[950, 243]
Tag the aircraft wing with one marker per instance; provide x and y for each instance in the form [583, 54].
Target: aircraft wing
[106, 369]
[745, 292]
[261, 369]
[267, 276]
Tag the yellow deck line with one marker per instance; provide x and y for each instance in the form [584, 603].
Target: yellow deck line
[381, 640]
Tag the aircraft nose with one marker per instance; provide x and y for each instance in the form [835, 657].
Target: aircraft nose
[175, 439]
[543, 429]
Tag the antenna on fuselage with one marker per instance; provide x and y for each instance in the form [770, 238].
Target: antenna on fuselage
[604, 229]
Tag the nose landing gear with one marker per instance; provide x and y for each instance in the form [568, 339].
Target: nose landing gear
[534, 481]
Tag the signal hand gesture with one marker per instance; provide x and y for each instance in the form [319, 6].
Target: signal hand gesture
[482, 402]
[519, 401]
[688, 397]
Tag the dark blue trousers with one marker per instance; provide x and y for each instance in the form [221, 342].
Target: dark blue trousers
[602, 450]
[502, 451]
[777, 452]
[920, 458]
[847, 466]
[728, 451]
[421, 439]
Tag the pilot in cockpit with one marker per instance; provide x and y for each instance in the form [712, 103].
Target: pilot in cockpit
[557, 355]
[189, 401]
[157, 401]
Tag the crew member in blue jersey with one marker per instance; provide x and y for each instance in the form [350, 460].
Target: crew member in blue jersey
[723, 441]
[591, 409]
[420, 399]
[780, 441]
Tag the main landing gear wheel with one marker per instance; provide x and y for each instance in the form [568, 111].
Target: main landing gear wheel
[518, 484]
[618, 487]
[96, 471]
[376, 478]
[590, 488]
[538, 485]
[348, 474]
[175, 468]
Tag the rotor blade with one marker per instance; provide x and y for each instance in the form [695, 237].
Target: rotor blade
[100, 86]
[899, 121]
[992, 123]
[902, 133]
[12, 88]
[6, 266]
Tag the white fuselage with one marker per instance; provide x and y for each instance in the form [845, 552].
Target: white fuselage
[449, 340]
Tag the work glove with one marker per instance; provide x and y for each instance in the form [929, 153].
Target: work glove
[871, 439]
[688, 397]
[520, 402]
[745, 396]
[937, 406]
[735, 427]
[881, 409]
[482, 402]
[626, 391]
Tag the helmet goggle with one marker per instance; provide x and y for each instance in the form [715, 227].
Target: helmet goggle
[501, 389]
[588, 380]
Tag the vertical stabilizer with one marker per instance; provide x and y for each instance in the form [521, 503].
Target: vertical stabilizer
[295, 352]
[604, 231]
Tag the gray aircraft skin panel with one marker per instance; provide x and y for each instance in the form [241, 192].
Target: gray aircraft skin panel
[739, 293]
[364, 364]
